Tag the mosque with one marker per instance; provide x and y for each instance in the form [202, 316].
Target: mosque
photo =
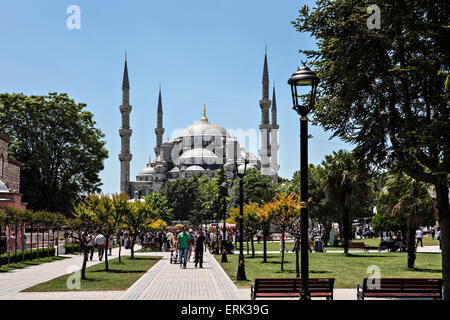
[200, 149]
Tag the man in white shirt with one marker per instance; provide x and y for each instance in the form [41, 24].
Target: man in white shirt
[419, 236]
[100, 241]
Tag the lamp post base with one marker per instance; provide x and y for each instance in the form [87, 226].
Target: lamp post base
[305, 295]
[224, 257]
[241, 269]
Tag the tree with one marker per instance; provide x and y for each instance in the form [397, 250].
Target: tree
[60, 147]
[83, 227]
[251, 221]
[181, 195]
[283, 212]
[386, 91]
[141, 214]
[320, 209]
[122, 208]
[408, 199]
[346, 183]
[159, 202]
[257, 187]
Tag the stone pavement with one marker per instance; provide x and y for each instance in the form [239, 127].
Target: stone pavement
[11, 283]
[164, 281]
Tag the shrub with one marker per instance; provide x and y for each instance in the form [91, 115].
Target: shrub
[29, 255]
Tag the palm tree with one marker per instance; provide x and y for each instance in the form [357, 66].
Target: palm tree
[410, 197]
[345, 182]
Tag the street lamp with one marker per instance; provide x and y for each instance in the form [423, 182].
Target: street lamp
[304, 77]
[217, 224]
[241, 174]
[224, 186]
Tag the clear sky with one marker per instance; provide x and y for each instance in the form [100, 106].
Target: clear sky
[201, 51]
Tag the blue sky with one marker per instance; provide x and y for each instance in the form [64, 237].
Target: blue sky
[202, 52]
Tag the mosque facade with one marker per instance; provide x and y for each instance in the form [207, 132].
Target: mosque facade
[201, 148]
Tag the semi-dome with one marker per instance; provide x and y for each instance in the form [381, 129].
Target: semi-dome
[198, 156]
[195, 168]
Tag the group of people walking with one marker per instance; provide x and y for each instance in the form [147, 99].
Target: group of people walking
[183, 243]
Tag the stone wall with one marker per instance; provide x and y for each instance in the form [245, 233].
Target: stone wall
[10, 171]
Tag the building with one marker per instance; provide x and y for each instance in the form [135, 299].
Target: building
[201, 148]
[9, 178]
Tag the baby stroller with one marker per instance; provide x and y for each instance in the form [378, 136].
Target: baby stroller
[173, 255]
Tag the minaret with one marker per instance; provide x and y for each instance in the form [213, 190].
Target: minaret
[265, 125]
[125, 133]
[274, 138]
[159, 130]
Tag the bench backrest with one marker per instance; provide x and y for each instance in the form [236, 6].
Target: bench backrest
[289, 285]
[419, 285]
[356, 245]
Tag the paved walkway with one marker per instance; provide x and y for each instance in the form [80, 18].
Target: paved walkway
[164, 281]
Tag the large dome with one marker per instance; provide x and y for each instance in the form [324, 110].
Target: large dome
[204, 128]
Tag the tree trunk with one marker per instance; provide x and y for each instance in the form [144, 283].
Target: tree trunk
[444, 225]
[133, 240]
[253, 247]
[48, 243]
[410, 238]
[297, 264]
[248, 251]
[120, 249]
[265, 247]
[345, 228]
[83, 267]
[15, 243]
[8, 244]
[106, 253]
[282, 252]
[37, 242]
[31, 238]
[23, 242]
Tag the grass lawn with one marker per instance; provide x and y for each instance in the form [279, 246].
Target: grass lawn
[29, 263]
[120, 276]
[347, 270]
[371, 243]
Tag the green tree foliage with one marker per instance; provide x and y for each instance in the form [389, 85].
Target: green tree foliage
[181, 195]
[83, 227]
[60, 147]
[159, 202]
[140, 215]
[258, 188]
[407, 203]
[251, 221]
[346, 183]
[385, 90]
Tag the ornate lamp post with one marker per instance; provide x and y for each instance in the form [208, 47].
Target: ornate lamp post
[304, 77]
[217, 252]
[241, 265]
[224, 187]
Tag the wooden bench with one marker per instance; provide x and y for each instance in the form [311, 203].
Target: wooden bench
[290, 287]
[401, 288]
[149, 245]
[358, 245]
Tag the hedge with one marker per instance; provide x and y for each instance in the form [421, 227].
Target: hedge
[71, 248]
[29, 255]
